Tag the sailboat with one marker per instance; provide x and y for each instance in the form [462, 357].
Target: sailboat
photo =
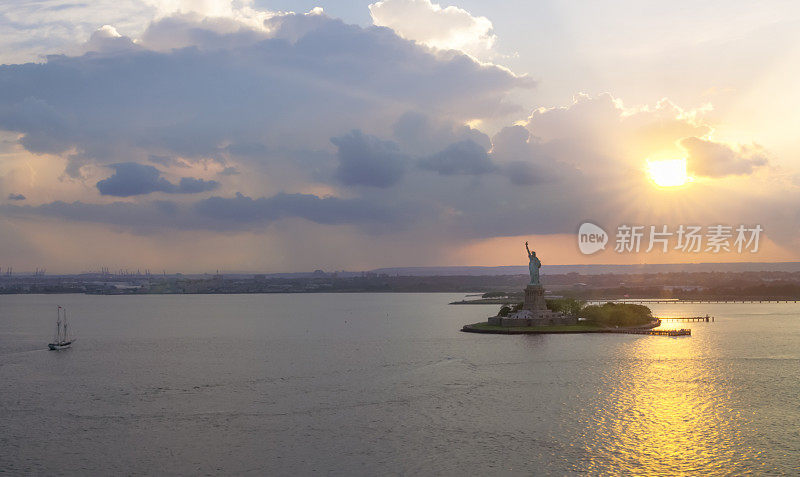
[62, 339]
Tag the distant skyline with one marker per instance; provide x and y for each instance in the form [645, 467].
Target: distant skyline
[354, 135]
[454, 270]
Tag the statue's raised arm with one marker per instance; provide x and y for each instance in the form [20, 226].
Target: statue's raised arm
[526, 248]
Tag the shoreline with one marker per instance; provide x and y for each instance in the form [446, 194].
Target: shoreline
[485, 328]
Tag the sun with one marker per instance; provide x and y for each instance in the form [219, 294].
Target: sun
[668, 172]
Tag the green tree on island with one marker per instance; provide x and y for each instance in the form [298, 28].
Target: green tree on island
[568, 306]
[617, 314]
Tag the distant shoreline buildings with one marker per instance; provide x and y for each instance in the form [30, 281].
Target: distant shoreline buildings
[667, 285]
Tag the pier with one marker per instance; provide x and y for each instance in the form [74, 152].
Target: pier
[644, 301]
[639, 331]
[706, 318]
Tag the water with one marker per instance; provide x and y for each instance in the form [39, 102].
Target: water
[350, 384]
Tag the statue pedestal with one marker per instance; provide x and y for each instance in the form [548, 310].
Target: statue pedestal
[534, 298]
[534, 312]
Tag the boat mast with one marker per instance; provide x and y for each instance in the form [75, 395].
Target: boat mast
[65, 325]
[58, 324]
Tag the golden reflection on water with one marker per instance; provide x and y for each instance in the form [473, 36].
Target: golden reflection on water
[670, 414]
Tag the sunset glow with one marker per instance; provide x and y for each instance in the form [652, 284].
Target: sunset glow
[471, 136]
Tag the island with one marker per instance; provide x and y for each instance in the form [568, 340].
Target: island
[537, 315]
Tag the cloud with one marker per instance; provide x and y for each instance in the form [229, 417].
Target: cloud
[195, 30]
[463, 157]
[134, 216]
[49, 130]
[31, 30]
[601, 130]
[16, 197]
[581, 160]
[338, 125]
[130, 179]
[240, 11]
[585, 159]
[242, 210]
[524, 160]
[311, 78]
[268, 100]
[191, 185]
[229, 171]
[430, 24]
[711, 159]
[217, 213]
[368, 161]
[107, 40]
[422, 134]
[522, 173]
[166, 161]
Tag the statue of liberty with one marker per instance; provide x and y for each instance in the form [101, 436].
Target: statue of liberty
[533, 265]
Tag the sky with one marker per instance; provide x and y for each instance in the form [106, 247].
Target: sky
[278, 136]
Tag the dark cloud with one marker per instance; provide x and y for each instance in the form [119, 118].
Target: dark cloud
[312, 79]
[134, 216]
[711, 159]
[324, 210]
[461, 158]
[512, 143]
[191, 185]
[252, 149]
[365, 160]
[166, 161]
[524, 160]
[420, 134]
[218, 213]
[524, 173]
[48, 130]
[229, 171]
[16, 197]
[131, 179]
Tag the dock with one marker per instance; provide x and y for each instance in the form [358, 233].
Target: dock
[706, 318]
[645, 301]
[638, 331]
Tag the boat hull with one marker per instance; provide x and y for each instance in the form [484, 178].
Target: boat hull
[58, 346]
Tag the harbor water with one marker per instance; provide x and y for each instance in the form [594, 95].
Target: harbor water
[367, 384]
